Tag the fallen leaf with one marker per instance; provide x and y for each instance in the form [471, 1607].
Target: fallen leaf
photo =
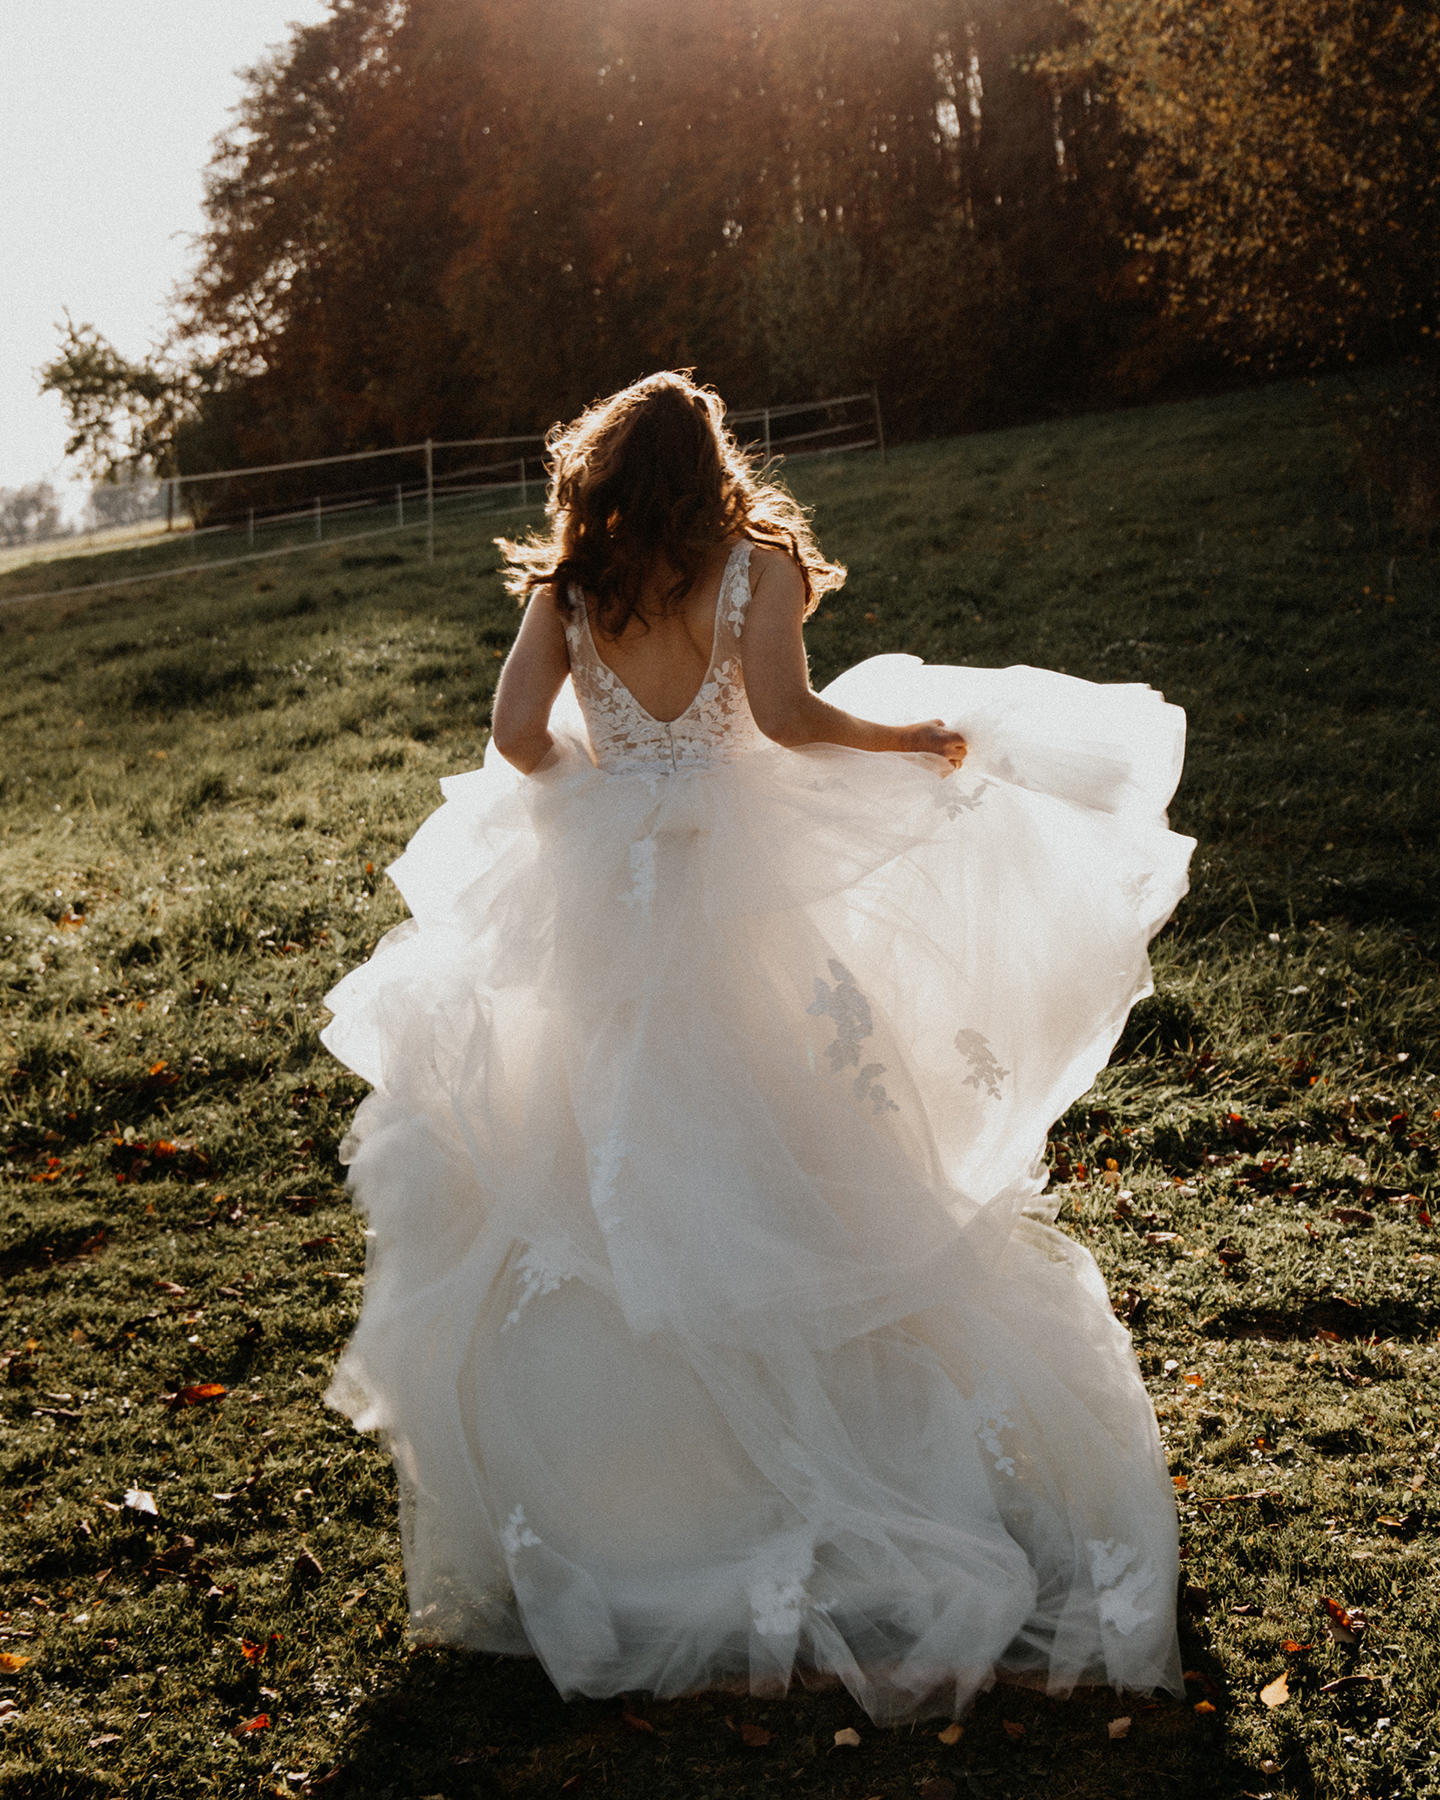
[1013, 1728]
[1401, 1527]
[106, 1737]
[1417, 1481]
[169, 1287]
[1204, 1706]
[1194, 1381]
[1162, 1237]
[1276, 1693]
[849, 1738]
[306, 1569]
[1352, 1215]
[1346, 1681]
[1291, 1648]
[1344, 1626]
[10, 1662]
[195, 1396]
[1179, 1481]
[139, 1501]
[256, 1653]
[636, 1723]
[756, 1736]
[1269, 1766]
[952, 1734]
[261, 1722]
[1120, 1728]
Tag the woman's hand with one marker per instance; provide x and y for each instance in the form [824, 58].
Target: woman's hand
[933, 737]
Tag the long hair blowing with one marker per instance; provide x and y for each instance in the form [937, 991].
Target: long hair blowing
[652, 478]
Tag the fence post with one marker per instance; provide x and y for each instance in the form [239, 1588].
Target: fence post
[767, 436]
[879, 424]
[170, 504]
[399, 506]
[317, 518]
[524, 491]
[250, 530]
[429, 501]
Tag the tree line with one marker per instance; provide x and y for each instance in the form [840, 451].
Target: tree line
[438, 219]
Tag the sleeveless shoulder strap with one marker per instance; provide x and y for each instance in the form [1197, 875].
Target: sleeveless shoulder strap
[735, 588]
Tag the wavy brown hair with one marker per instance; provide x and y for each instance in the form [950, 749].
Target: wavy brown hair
[653, 477]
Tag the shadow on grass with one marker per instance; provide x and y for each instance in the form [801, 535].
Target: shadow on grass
[466, 1725]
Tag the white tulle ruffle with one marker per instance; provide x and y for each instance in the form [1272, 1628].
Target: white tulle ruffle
[712, 1315]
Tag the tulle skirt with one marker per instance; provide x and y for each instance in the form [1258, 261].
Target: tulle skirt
[713, 1314]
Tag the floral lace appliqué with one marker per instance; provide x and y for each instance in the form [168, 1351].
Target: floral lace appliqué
[537, 1272]
[642, 876]
[609, 1160]
[985, 1071]
[1118, 1593]
[737, 579]
[993, 1399]
[777, 1595]
[517, 1535]
[850, 1011]
[952, 805]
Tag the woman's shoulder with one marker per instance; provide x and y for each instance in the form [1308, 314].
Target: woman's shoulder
[774, 570]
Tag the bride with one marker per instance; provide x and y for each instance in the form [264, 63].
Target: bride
[714, 1317]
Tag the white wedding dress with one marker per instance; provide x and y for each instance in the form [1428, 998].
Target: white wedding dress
[713, 1315]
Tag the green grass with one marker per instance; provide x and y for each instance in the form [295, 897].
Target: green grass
[202, 782]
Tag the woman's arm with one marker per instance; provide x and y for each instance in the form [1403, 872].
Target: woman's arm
[777, 679]
[533, 675]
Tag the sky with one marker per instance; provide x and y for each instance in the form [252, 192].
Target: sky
[108, 109]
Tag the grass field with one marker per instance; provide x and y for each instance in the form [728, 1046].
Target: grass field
[202, 783]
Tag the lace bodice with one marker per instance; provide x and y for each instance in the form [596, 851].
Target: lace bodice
[716, 727]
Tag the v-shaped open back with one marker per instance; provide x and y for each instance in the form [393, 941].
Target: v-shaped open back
[716, 726]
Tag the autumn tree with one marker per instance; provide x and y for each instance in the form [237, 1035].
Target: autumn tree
[1289, 151]
[441, 219]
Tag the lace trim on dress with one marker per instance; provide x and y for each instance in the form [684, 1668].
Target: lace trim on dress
[716, 727]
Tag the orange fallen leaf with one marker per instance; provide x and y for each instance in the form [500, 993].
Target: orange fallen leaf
[261, 1722]
[848, 1739]
[10, 1662]
[636, 1723]
[952, 1734]
[1204, 1706]
[1291, 1648]
[1013, 1728]
[197, 1395]
[1120, 1728]
[1275, 1693]
[1179, 1481]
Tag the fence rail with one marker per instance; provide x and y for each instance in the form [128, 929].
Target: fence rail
[265, 501]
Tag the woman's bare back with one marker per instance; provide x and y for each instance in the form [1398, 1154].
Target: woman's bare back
[662, 656]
